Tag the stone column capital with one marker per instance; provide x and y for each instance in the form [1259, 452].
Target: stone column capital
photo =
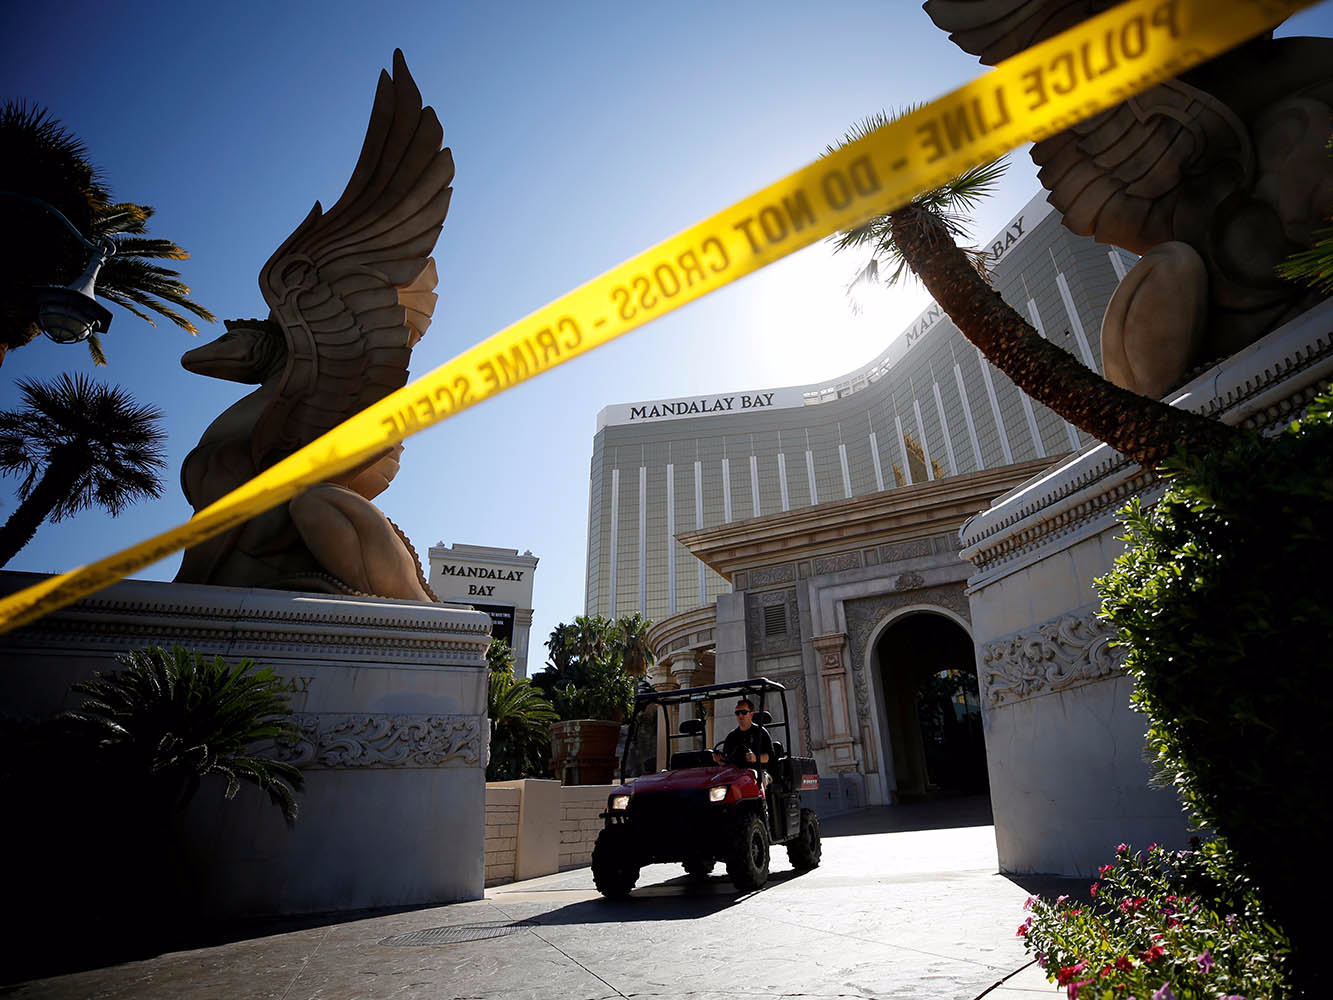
[831, 649]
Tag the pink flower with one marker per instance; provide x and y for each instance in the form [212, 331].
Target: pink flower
[1122, 849]
[1073, 988]
[1205, 962]
[1231, 920]
[1027, 903]
[1060, 899]
[1023, 928]
[1092, 889]
[1124, 963]
[1155, 952]
[1105, 868]
[1164, 993]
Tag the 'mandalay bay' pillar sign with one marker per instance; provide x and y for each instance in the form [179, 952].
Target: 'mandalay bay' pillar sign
[497, 581]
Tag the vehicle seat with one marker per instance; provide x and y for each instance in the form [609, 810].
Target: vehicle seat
[691, 758]
[775, 764]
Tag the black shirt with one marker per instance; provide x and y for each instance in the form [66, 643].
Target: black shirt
[739, 740]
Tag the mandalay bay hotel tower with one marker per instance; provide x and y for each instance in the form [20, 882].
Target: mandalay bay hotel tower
[929, 407]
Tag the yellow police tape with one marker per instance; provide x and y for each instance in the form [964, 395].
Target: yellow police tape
[1037, 93]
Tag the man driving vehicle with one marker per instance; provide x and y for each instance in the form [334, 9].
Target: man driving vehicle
[747, 744]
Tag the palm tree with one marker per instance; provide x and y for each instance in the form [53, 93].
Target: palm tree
[922, 238]
[43, 160]
[500, 657]
[170, 719]
[632, 637]
[76, 443]
[520, 728]
[593, 639]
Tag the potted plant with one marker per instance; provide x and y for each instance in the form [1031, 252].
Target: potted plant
[592, 695]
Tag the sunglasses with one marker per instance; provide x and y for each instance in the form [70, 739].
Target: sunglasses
[742, 711]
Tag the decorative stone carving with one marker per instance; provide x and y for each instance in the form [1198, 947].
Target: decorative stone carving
[909, 581]
[1060, 653]
[795, 685]
[840, 738]
[350, 294]
[837, 563]
[913, 549]
[136, 613]
[1215, 178]
[767, 576]
[352, 741]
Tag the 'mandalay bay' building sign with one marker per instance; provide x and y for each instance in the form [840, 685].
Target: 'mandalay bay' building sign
[497, 581]
[693, 406]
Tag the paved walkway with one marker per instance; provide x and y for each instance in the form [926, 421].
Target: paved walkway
[906, 904]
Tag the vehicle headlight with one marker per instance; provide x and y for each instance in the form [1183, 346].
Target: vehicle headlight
[619, 802]
[717, 794]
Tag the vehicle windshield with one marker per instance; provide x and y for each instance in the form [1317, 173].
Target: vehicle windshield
[674, 736]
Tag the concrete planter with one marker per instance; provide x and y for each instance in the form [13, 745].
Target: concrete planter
[583, 751]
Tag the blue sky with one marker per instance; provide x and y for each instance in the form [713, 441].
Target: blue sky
[583, 132]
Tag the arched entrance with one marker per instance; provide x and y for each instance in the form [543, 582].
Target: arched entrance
[928, 675]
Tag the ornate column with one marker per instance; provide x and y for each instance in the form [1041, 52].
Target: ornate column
[840, 735]
[522, 626]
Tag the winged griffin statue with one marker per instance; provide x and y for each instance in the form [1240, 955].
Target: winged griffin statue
[1214, 178]
[350, 293]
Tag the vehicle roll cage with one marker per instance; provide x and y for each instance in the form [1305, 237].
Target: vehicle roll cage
[753, 688]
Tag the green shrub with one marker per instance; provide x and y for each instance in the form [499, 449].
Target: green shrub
[1162, 924]
[1225, 602]
[606, 692]
[169, 719]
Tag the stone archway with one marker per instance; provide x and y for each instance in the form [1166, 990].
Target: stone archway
[928, 683]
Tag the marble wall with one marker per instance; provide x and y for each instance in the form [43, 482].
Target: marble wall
[390, 704]
[1065, 751]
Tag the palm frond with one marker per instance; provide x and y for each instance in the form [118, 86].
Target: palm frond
[1312, 267]
[943, 206]
[170, 719]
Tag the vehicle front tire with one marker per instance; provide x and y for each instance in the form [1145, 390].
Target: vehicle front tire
[614, 867]
[747, 862]
[804, 852]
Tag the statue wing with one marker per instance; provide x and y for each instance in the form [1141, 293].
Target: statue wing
[1153, 168]
[993, 30]
[352, 288]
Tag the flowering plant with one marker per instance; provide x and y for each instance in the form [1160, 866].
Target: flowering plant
[1165, 925]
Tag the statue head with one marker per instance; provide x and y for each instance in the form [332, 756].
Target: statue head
[249, 352]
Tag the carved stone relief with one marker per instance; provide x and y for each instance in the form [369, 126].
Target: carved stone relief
[767, 576]
[1058, 654]
[837, 563]
[913, 549]
[795, 685]
[353, 741]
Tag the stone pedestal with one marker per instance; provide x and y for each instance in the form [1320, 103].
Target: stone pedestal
[1068, 780]
[390, 698]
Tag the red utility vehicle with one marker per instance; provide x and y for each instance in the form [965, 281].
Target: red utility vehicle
[696, 812]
